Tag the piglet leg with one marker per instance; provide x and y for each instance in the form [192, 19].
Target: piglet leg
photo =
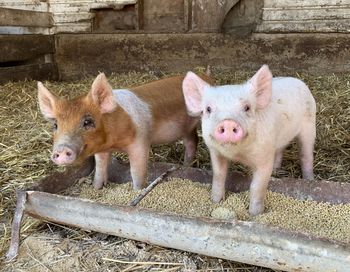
[258, 187]
[306, 139]
[220, 166]
[101, 170]
[190, 142]
[138, 156]
[278, 159]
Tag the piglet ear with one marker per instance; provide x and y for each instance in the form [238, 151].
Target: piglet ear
[46, 101]
[193, 88]
[261, 86]
[102, 95]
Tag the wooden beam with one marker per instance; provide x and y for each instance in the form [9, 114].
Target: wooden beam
[24, 47]
[44, 71]
[182, 52]
[15, 17]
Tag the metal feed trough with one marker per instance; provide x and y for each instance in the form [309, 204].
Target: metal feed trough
[240, 241]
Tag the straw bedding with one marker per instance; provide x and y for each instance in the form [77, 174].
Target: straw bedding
[25, 144]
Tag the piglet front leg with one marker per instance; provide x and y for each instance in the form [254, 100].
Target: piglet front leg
[258, 187]
[220, 166]
[138, 156]
[101, 169]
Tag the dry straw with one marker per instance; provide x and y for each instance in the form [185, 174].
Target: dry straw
[24, 158]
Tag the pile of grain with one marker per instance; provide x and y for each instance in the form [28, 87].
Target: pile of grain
[192, 198]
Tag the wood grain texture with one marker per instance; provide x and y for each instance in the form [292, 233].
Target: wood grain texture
[24, 47]
[16, 17]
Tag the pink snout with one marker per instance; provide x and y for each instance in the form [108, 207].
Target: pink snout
[63, 155]
[228, 131]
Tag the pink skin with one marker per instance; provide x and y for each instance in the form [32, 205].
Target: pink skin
[252, 124]
[228, 131]
[63, 155]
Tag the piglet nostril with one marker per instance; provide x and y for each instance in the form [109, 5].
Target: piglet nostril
[55, 156]
[68, 154]
[228, 131]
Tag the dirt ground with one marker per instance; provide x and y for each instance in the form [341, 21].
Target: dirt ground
[25, 145]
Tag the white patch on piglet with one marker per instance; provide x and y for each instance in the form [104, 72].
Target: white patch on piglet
[138, 110]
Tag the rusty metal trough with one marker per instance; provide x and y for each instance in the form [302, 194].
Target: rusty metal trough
[240, 241]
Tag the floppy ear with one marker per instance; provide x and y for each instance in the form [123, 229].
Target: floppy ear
[102, 95]
[46, 102]
[261, 86]
[193, 89]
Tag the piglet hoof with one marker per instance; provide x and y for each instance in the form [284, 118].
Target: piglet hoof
[256, 208]
[189, 161]
[139, 186]
[309, 176]
[216, 198]
[98, 184]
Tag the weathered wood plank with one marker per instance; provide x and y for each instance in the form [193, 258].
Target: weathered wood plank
[182, 52]
[306, 14]
[44, 71]
[14, 17]
[25, 5]
[305, 26]
[20, 30]
[85, 6]
[72, 17]
[304, 3]
[69, 7]
[81, 27]
[23, 47]
[118, 2]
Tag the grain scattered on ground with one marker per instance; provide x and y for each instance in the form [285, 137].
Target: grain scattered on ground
[179, 196]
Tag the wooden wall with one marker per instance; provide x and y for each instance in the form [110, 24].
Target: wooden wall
[157, 16]
[133, 30]
[305, 16]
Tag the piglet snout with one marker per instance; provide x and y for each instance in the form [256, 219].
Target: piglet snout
[228, 131]
[63, 155]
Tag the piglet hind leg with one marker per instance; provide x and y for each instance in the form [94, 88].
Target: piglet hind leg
[258, 187]
[219, 166]
[138, 157]
[190, 142]
[278, 159]
[306, 141]
[101, 169]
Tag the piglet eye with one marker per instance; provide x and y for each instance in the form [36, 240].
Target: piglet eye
[88, 123]
[208, 109]
[246, 108]
[54, 125]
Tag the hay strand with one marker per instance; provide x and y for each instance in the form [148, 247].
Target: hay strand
[151, 186]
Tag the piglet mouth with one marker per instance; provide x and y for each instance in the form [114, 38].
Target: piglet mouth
[228, 143]
[222, 143]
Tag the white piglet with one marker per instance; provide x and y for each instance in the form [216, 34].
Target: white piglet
[253, 123]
